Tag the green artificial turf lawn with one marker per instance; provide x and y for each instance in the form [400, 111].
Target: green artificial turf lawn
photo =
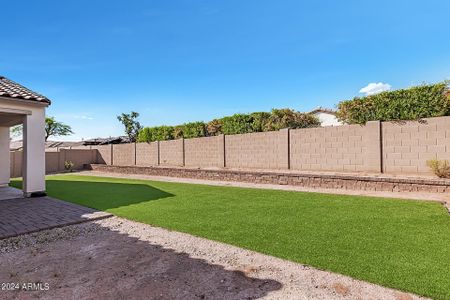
[403, 244]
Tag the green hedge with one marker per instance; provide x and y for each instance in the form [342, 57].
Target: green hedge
[159, 133]
[235, 124]
[193, 130]
[425, 101]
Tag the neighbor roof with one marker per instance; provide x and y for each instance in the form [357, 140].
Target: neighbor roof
[11, 89]
[321, 109]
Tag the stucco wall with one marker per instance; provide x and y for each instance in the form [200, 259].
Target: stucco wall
[34, 141]
[4, 156]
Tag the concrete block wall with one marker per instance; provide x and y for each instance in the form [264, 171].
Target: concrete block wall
[124, 154]
[78, 157]
[16, 163]
[171, 153]
[104, 154]
[54, 160]
[261, 150]
[351, 148]
[147, 154]
[204, 152]
[377, 147]
[408, 145]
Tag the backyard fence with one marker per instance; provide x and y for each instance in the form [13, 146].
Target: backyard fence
[377, 147]
[54, 160]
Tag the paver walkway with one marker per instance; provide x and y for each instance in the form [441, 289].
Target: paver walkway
[26, 215]
[7, 192]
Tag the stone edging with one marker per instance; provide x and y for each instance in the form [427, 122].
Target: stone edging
[335, 181]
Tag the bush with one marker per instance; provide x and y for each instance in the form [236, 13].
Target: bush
[441, 168]
[144, 135]
[189, 130]
[159, 133]
[425, 101]
[163, 133]
[260, 121]
[289, 118]
[236, 124]
[178, 132]
[194, 129]
[68, 165]
[214, 127]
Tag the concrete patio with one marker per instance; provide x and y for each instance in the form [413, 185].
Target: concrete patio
[20, 215]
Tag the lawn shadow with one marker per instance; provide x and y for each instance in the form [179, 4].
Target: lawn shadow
[99, 261]
[101, 195]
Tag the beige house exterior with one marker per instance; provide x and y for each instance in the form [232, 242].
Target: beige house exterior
[326, 116]
[19, 105]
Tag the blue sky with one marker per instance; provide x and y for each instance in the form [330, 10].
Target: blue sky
[178, 61]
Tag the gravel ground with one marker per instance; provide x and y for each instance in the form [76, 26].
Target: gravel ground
[116, 258]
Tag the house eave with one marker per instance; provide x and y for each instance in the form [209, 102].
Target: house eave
[25, 102]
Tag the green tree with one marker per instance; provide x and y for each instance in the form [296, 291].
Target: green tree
[52, 128]
[55, 128]
[132, 126]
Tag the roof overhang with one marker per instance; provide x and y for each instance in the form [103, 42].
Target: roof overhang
[25, 102]
[324, 111]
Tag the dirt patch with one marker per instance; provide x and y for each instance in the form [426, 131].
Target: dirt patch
[341, 289]
[119, 259]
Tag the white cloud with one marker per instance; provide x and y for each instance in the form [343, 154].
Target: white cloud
[375, 88]
[82, 117]
[66, 117]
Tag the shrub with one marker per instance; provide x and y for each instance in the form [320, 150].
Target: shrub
[144, 135]
[440, 168]
[194, 129]
[425, 101]
[214, 127]
[259, 121]
[289, 118]
[236, 124]
[68, 165]
[189, 130]
[159, 133]
[178, 132]
[162, 133]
